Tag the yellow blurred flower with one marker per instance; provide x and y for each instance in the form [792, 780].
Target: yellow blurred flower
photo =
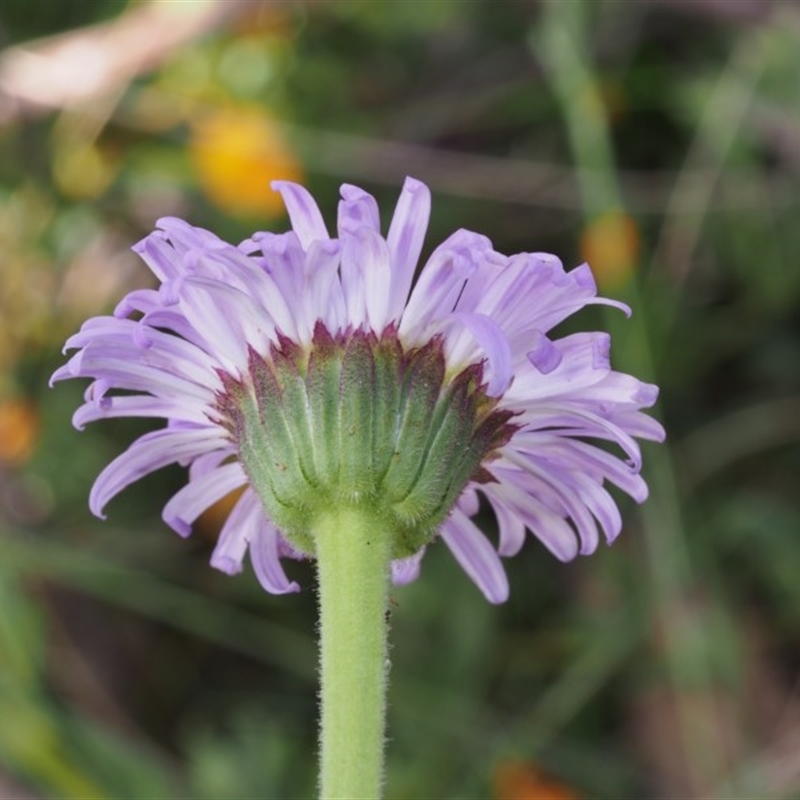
[610, 244]
[81, 170]
[236, 152]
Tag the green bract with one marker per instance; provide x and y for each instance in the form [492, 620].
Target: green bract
[358, 421]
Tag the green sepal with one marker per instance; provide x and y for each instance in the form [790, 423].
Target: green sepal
[296, 410]
[354, 421]
[492, 433]
[356, 400]
[423, 373]
[386, 401]
[322, 380]
[270, 453]
[450, 431]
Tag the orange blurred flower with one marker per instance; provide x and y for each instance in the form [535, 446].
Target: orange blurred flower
[610, 244]
[19, 431]
[265, 19]
[236, 152]
[518, 780]
[614, 100]
[210, 522]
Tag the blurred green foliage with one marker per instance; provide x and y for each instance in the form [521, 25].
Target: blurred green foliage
[658, 138]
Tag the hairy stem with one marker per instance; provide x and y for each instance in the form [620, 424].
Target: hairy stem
[353, 556]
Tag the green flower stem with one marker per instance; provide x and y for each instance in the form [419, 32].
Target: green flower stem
[353, 555]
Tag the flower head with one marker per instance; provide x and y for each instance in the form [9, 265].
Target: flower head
[306, 369]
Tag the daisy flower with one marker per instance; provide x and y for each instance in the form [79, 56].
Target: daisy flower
[314, 373]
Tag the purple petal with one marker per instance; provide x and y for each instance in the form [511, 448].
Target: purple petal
[192, 500]
[489, 266]
[576, 420]
[601, 504]
[96, 392]
[322, 297]
[120, 371]
[186, 237]
[476, 556]
[638, 424]
[405, 238]
[126, 339]
[546, 296]
[147, 454]
[303, 212]
[583, 457]
[468, 501]
[617, 391]
[164, 262]
[441, 282]
[138, 301]
[239, 529]
[510, 527]
[140, 406]
[170, 319]
[504, 286]
[584, 276]
[226, 317]
[279, 293]
[406, 570]
[265, 555]
[352, 282]
[561, 491]
[278, 288]
[357, 209]
[544, 355]
[583, 363]
[209, 461]
[549, 527]
[366, 279]
[494, 343]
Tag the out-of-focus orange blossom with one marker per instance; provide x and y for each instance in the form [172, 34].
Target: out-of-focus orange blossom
[210, 522]
[265, 20]
[519, 780]
[19, 431]
[614, 100]
[236, 152]
[610, 244]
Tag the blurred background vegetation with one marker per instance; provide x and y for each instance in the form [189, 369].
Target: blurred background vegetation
[658, 139]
